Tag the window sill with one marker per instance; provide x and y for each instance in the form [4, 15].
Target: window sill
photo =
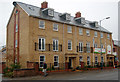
[42, 50]
[95, 36]
[81, 34]
[55, 50]
[42, 28]
[55, 30]
[69, 49]
[56, 66]
[69, 32]
[80, 51]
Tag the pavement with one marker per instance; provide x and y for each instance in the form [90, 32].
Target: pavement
[105, 74]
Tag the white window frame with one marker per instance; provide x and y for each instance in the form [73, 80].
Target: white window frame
[54, 24]
[80, 31]
[88, 32]
[71, 44]
[88, 60]
[69, 29]
[95, 45]
[101, 46]
[16, 28]
[41, 44]
[50, 12]
[56, 45]
[96, 60]
[88, 47]
[80, 48]
[108, 36]
[41, 61]
[16, 43]
[95, 34]
[40, 23]
[81, 60]
[101, 35]
[56, 61]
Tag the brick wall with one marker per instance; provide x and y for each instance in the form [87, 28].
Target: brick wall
[2, 67]
[31, 70]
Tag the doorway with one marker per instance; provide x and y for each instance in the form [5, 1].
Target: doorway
[70, 63]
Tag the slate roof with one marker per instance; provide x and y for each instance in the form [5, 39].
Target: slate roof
[37, 12]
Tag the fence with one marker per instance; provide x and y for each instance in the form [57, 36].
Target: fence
[55, 66]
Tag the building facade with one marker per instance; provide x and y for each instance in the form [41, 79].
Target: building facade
[37, 34]
[116, 52]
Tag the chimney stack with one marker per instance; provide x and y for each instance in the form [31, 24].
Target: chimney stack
[78, 14]
[44, 4]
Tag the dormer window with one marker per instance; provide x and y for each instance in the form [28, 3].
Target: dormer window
[66, 16]
[51, 12]
[48, 11]
[80, 20]
[94, 24]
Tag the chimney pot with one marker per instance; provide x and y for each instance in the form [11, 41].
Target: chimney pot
[78, 14]
[44, 4]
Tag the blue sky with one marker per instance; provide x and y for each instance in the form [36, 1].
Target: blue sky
[93, 10]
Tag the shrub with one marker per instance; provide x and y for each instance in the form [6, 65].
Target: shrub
[73, 69]
[6, 70]
[53, 68]
[9, 74]
[48, 69]
[78, 68]
[40, 69]
[15, 66]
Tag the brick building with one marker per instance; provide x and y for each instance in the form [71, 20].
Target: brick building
[116, 51]
[37, 34]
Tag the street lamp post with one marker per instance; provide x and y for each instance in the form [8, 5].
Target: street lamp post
[100, 39]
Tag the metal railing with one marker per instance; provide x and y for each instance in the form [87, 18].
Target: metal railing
[84, 49]
[49, 47]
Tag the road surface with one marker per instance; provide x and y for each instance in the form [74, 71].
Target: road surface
[106, 74]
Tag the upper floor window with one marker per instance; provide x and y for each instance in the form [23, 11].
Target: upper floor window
[69, 45]
[16, 27]
[16, 43]
[69, 29]
[51, 12]
[55, 27]
[80, 31]
[101, 35]
[102, 46]
[56, 61]
[41, 24]
[88, 47]
[80, 47]
[55, 45]
[88, 32]
[41, 43]
[95, 34]
[95, 45]
[108, 36]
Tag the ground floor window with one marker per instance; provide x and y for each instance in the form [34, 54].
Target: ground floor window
[102, 59]
[42, 59]
[80, 59]
[96, 60]
[88, 60]
[56, 61]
